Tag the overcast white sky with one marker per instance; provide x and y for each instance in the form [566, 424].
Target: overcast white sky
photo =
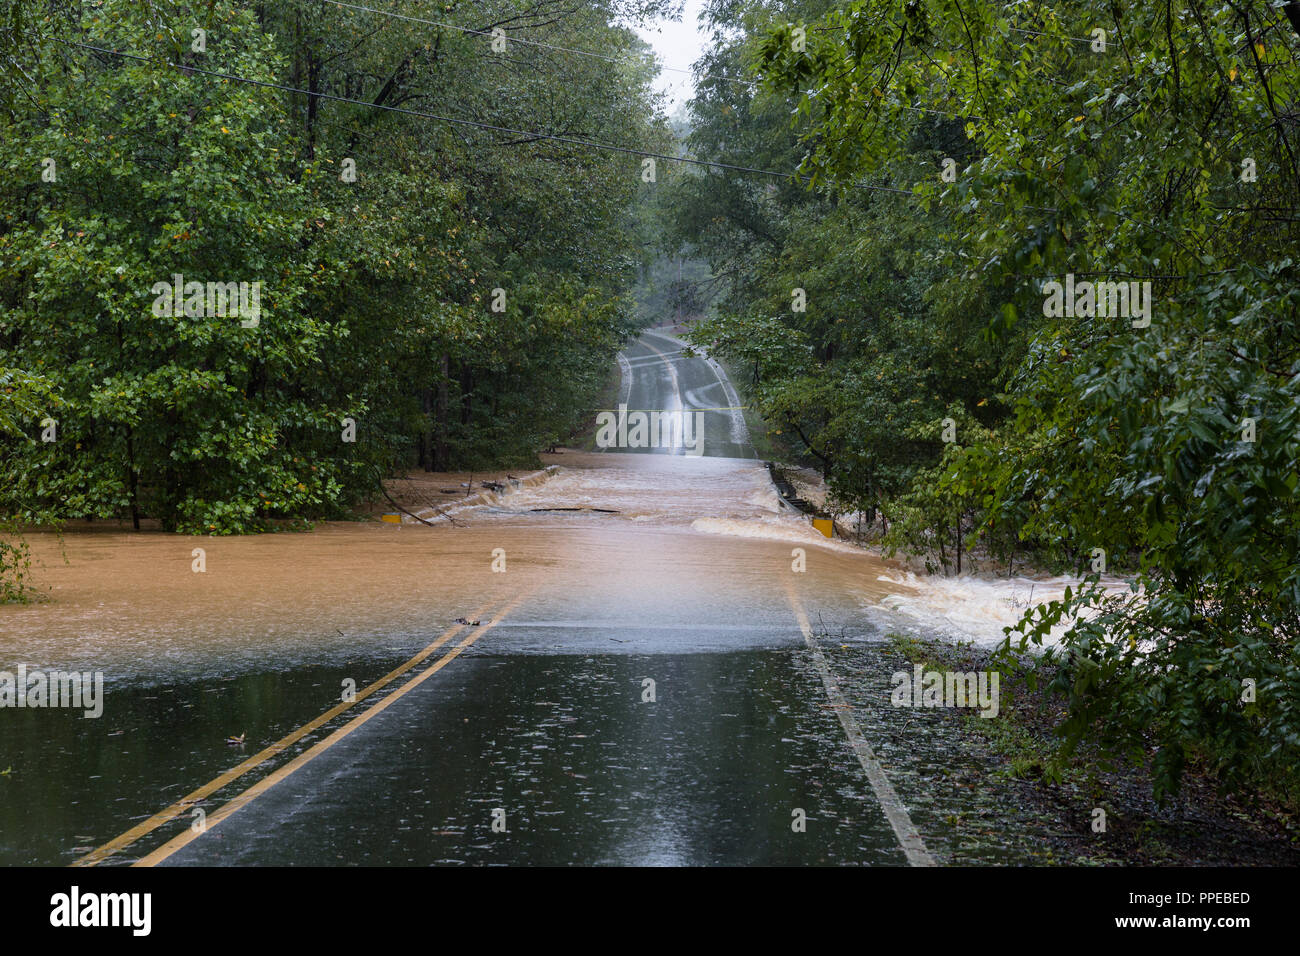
[677, 44]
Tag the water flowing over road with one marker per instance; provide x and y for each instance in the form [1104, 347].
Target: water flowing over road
[663, 664]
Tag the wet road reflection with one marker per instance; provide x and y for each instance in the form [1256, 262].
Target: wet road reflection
[682, 580]
[585, 770]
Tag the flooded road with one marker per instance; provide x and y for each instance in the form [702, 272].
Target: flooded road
[641, 680]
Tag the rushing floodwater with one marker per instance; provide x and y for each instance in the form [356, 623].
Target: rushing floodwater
[620, 569]
[131, 605]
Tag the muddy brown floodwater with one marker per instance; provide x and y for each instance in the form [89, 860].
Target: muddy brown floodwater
[617, 568]
[693, 542]
[649, 685]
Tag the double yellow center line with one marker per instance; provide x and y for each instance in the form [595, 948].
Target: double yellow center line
[180, 807]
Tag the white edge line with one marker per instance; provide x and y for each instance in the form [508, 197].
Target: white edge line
[909, 838]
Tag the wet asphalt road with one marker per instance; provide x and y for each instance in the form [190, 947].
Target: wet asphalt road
[659, 706]
[659, 377]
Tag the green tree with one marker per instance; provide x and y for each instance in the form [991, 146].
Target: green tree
[1164, 155]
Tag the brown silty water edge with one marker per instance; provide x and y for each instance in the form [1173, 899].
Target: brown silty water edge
[651, 540]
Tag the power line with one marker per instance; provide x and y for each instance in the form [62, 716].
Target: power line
[708, 75]
[530, 134]
[600, 56]
[612, 59]
[515, 39]
[568, 140]
[1055, 36]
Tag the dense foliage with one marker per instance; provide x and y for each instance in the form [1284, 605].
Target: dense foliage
[445, 294]
[1167, 451]
[890, 310]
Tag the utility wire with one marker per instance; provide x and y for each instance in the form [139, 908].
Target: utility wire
[600, 56]
[515, 39]
[530, 134]
[1055, 36]
[568, 140]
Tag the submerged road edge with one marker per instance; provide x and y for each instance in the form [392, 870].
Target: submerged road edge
[178, 809]
[242, 800]
[909, 838]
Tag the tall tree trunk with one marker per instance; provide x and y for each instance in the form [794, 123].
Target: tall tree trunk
[440, 446]
[313, 102]
[426, 436]
[958, 542]
[131, 479]
[466, 396]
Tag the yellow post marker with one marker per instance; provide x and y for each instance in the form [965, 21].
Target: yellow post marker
[825, 525]
[391, 519]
